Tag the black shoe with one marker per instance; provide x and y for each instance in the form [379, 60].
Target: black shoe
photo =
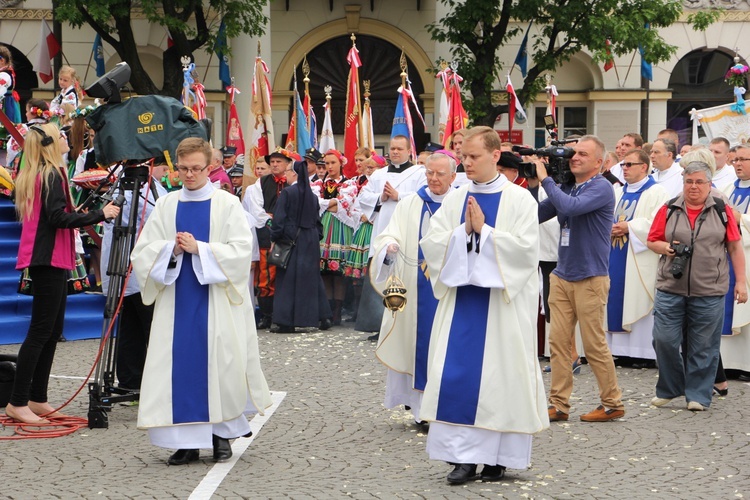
[283, 329]
[325, 324]
[183, 457]
[62, 338]
[222, 449]
[374, 337]
[462, 473]
[264, 323]
[492, 473]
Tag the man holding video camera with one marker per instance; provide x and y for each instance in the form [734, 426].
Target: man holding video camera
[579, 285]
[693, 232]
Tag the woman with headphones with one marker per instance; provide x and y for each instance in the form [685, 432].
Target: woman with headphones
[47, 248]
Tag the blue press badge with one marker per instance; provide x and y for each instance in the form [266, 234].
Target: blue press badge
[565, 237]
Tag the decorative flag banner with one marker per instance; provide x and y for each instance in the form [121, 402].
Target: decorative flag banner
[367, 134]
[302, 133]
[402, 120]
[312, 122]
[722, 121]
[220, 48]
[514, 106]
[610, 62]
[98, 51]
[647, 71]
[49, 47]
[200, 100]
[261, 123]
[291, 133]
[234, 137]
[327, 140]
[353, 112]
[444, 75]
[523, 56]
[551, 102]
[458, 118]
[188, 96]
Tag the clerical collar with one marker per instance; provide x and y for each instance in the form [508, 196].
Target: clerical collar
[493, 186]
[744, 184]
[200, 194]
[400, 167]
[633, 188]
[438, 198]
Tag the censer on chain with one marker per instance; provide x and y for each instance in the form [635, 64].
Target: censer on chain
[394, 295]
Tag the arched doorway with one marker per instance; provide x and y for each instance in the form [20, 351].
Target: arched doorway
[380, 65]
[26, 78]
[697, 82]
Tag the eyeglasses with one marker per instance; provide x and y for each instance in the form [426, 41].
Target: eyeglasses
[629, 164]
[434, 173]
[183, 170]
[699, 182]
[738, 160]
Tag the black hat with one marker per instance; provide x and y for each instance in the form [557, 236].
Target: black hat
[282, 153]
[432, 147]
[228, 151]
[313, 155]
[235, 171]
[509, 160]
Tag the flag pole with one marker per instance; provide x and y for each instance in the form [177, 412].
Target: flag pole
[306, 79]
[88, 66]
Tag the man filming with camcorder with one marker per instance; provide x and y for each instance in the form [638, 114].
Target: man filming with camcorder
[579, 285]
[693, 233]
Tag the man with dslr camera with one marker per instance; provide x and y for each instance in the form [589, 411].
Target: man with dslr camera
[579, 285]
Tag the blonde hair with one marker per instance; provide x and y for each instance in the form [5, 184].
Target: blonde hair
[71, 72]
[702, 155]
[40, 162]
[488, 136]
[366, 152]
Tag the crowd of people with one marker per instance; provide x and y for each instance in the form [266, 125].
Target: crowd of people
[640, 252]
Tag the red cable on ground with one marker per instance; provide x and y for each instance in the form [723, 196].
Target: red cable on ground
[62, 426]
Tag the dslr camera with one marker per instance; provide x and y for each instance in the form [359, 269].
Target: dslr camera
[682, 254]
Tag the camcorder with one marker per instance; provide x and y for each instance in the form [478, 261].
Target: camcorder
[557, 161]
[682, 254]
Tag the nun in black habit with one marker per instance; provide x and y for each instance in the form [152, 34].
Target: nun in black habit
[300, 298]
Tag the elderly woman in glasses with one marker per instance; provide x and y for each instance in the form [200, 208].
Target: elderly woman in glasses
[695, 233]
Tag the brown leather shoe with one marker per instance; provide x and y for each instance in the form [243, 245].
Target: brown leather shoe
[556, 415]
[602, 415]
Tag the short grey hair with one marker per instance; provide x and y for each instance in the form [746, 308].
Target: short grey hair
[698, 166]
[442, 156]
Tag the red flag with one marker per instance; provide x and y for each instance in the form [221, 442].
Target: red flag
[291, 135]
[351, 126]
[234, 135]
[610, 62]
[49, 47]
[458, 118]
[513, 106]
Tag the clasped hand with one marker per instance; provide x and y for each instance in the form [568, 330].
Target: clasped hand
[185, 242]
[474, 218]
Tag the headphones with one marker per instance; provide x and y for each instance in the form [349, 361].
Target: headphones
[46, 140]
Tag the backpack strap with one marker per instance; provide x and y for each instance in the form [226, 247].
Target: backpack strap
[719, 206]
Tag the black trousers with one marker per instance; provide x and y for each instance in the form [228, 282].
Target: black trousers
[132, 340]
[38, 349]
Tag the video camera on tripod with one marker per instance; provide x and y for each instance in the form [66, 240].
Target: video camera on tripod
[132, 135]
[557, 156]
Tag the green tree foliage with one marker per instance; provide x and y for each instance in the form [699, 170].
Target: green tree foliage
[478, 28]
[192, 25]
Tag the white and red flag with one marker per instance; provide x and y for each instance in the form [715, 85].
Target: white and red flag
[49, 47]
[353, 112]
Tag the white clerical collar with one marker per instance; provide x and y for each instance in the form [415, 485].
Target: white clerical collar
[744, 184]
[200, 194]
[633, 188]
[438, 198]
[493, 186]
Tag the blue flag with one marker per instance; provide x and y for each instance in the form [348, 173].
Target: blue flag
[220, 48]
[647, 71]
[400, 125]
[302, 133]
[98, 51]
[523, 55]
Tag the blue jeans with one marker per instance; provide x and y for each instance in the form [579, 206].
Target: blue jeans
[694, 375]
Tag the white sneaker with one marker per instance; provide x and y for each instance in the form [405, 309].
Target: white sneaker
[695, 406]
[659, 402]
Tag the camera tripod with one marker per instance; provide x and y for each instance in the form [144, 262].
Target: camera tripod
[103, 392]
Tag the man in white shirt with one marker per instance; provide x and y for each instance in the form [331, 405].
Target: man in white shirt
[628, 143]
[725, 174]
[667, 172]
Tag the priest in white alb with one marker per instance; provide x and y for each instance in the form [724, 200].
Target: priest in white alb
[192, 261]
[484, 396]
[403, 344]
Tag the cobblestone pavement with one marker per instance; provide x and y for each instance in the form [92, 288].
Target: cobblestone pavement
[331, 437]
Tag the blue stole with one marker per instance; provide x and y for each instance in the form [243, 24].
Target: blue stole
[190, 341]
[462, 371]
[618, 257]
[426, 301]
[740, 200]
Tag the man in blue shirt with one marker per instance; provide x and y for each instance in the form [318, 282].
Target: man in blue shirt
[579, 286]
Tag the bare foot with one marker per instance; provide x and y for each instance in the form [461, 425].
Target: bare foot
[24, 415]
[44, 409]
